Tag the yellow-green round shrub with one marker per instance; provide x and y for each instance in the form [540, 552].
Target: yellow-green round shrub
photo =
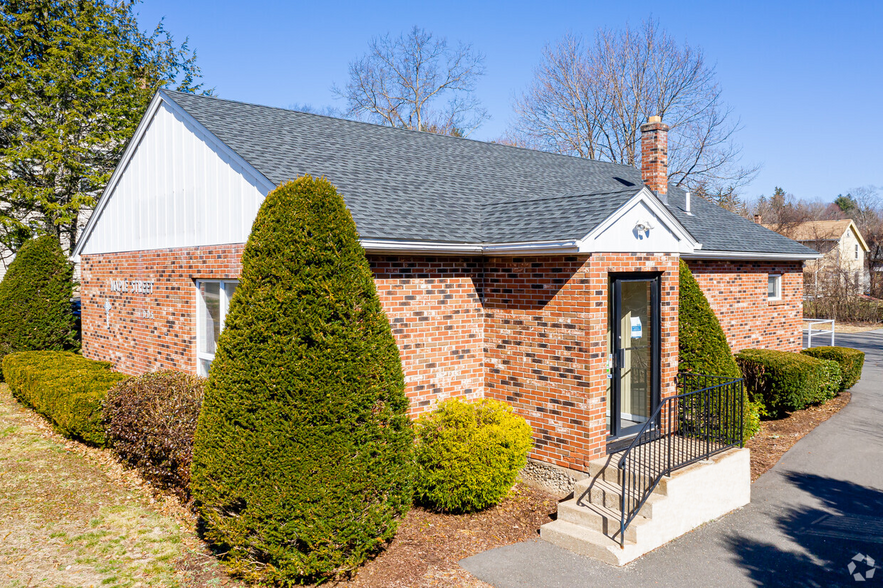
[751, 419]
[469, 454]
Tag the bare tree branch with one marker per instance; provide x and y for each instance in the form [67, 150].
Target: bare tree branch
[404, 81]
[589, 99]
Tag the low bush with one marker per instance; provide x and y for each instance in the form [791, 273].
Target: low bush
[783, 381]
[751, 419]
[65, 387]
[851, 362]
[469, 454]
[833, 376]
[150, 423]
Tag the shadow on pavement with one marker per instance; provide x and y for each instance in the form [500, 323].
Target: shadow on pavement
[849, 522]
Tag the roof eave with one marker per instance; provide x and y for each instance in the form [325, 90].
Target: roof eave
[446, 248]
[750, 255]
[858, 236]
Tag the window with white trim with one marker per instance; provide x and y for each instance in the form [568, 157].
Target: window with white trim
[214, 300]
[774, 287]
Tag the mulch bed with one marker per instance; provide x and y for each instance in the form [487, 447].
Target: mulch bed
[428, 545]
[778, 436]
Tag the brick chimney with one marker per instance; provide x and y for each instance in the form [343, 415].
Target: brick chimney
[654, 156]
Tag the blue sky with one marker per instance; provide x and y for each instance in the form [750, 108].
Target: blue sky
[805, 78]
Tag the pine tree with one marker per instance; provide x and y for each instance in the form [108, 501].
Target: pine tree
[75, 79]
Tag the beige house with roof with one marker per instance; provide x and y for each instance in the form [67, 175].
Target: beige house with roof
[844, 251]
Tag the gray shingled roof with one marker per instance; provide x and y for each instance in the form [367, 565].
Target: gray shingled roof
[408, 185]
[719, 229]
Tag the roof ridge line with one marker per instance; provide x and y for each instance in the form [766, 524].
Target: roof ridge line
[492, 144]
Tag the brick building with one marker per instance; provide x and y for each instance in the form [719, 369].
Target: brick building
[547, 281]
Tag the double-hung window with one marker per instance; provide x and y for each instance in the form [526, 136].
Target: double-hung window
[214, 300]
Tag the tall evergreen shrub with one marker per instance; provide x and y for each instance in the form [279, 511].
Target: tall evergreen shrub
[35, 300]
[703, 347]
[302, 460]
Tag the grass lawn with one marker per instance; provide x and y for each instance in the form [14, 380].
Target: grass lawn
[69, 518]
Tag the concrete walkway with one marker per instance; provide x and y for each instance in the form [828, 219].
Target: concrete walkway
[819, 507]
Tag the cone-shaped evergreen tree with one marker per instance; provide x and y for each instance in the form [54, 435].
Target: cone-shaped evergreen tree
[35, 300]
[703, 347]
[302, 459]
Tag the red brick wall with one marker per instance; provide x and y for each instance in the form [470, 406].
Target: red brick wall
[530, 331]
[434, 308]
[546, 341]
[133, 343]
[737, 292]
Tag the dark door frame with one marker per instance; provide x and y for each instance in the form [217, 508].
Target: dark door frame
[616, 279]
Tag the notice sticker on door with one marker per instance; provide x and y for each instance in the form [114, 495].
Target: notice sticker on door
[637, 331]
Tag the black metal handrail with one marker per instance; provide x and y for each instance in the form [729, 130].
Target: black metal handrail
[702, 421]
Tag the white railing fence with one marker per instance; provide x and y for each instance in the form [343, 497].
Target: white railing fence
[809, 329]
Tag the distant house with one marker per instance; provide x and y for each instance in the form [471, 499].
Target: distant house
[844, 250]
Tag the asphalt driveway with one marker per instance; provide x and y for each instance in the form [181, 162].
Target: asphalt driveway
[817, 510]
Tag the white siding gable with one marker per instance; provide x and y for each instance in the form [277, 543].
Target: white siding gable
[178, 188]
[640, 226]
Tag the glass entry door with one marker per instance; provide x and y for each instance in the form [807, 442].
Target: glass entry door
[634, 353]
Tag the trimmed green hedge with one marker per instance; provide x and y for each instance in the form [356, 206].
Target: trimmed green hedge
[65, 387]
[785, 381]
[469, 454]
[833, 376]
[35, 300]
[851, 362]
[303, 456]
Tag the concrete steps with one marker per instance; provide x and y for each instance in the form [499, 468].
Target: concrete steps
[608, 494]
[583, 541]
[589, 523]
